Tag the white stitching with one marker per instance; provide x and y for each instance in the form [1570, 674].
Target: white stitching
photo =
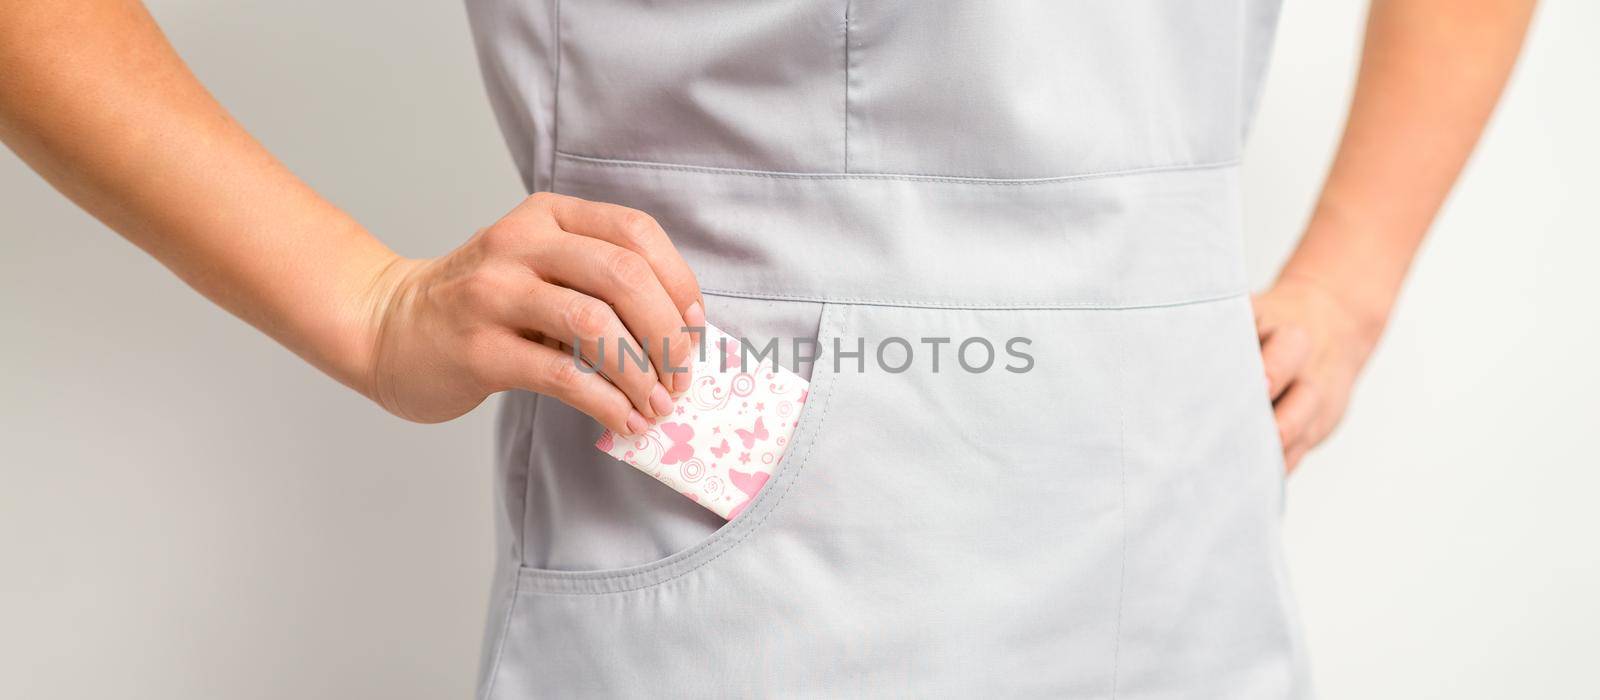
[956, 179]
[977, 305]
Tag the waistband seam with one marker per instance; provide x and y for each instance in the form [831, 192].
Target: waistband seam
[909, 177]
[977, 305]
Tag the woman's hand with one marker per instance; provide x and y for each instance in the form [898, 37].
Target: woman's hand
[504, 310]
[1431, 72]
[1313, 345]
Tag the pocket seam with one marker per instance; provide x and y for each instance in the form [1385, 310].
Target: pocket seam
[647, 576]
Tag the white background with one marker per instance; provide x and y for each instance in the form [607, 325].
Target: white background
[187, 511]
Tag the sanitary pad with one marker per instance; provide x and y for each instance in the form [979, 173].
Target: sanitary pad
[726, 433]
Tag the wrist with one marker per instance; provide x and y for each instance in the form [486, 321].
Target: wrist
[1356, 260]
[1366, 315]
[376, 296]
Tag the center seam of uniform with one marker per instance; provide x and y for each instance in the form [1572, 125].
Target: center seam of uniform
[1122, 477]
[555, 95]
[847, 86]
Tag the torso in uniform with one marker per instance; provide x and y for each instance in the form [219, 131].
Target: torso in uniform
[1104, 525]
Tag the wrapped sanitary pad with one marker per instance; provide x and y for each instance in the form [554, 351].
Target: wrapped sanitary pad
[726, 434]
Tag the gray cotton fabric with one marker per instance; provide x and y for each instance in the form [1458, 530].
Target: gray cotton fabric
[1103, 525]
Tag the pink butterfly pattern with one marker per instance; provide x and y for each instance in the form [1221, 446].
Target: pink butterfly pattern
[756, 432]
[682, 447]
[689, 450]
[749, 484]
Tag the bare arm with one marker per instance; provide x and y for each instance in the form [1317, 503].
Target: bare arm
[96, 101]
[1431, 73]
[94, 98]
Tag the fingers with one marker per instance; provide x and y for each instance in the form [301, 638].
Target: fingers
[1284, 354]
[523, 364]
[1261, 306]
[604, 272]
[636, 231]
[625, 280]
[1312, 351]
[1296, 414]
[604, 341]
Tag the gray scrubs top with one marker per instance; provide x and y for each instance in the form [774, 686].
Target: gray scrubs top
[1105, 524]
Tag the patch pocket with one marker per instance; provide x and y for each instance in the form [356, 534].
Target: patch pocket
[726, 434]
[808, 424]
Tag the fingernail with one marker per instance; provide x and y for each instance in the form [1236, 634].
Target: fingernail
[695, 316]
[636, 423]
[660, 400]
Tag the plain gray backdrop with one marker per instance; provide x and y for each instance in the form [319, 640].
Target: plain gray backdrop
[188, 511]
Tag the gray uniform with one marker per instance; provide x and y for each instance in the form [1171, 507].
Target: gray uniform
[1105, 524]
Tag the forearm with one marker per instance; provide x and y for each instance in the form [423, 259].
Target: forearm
[1431, 73]
[94, 98]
